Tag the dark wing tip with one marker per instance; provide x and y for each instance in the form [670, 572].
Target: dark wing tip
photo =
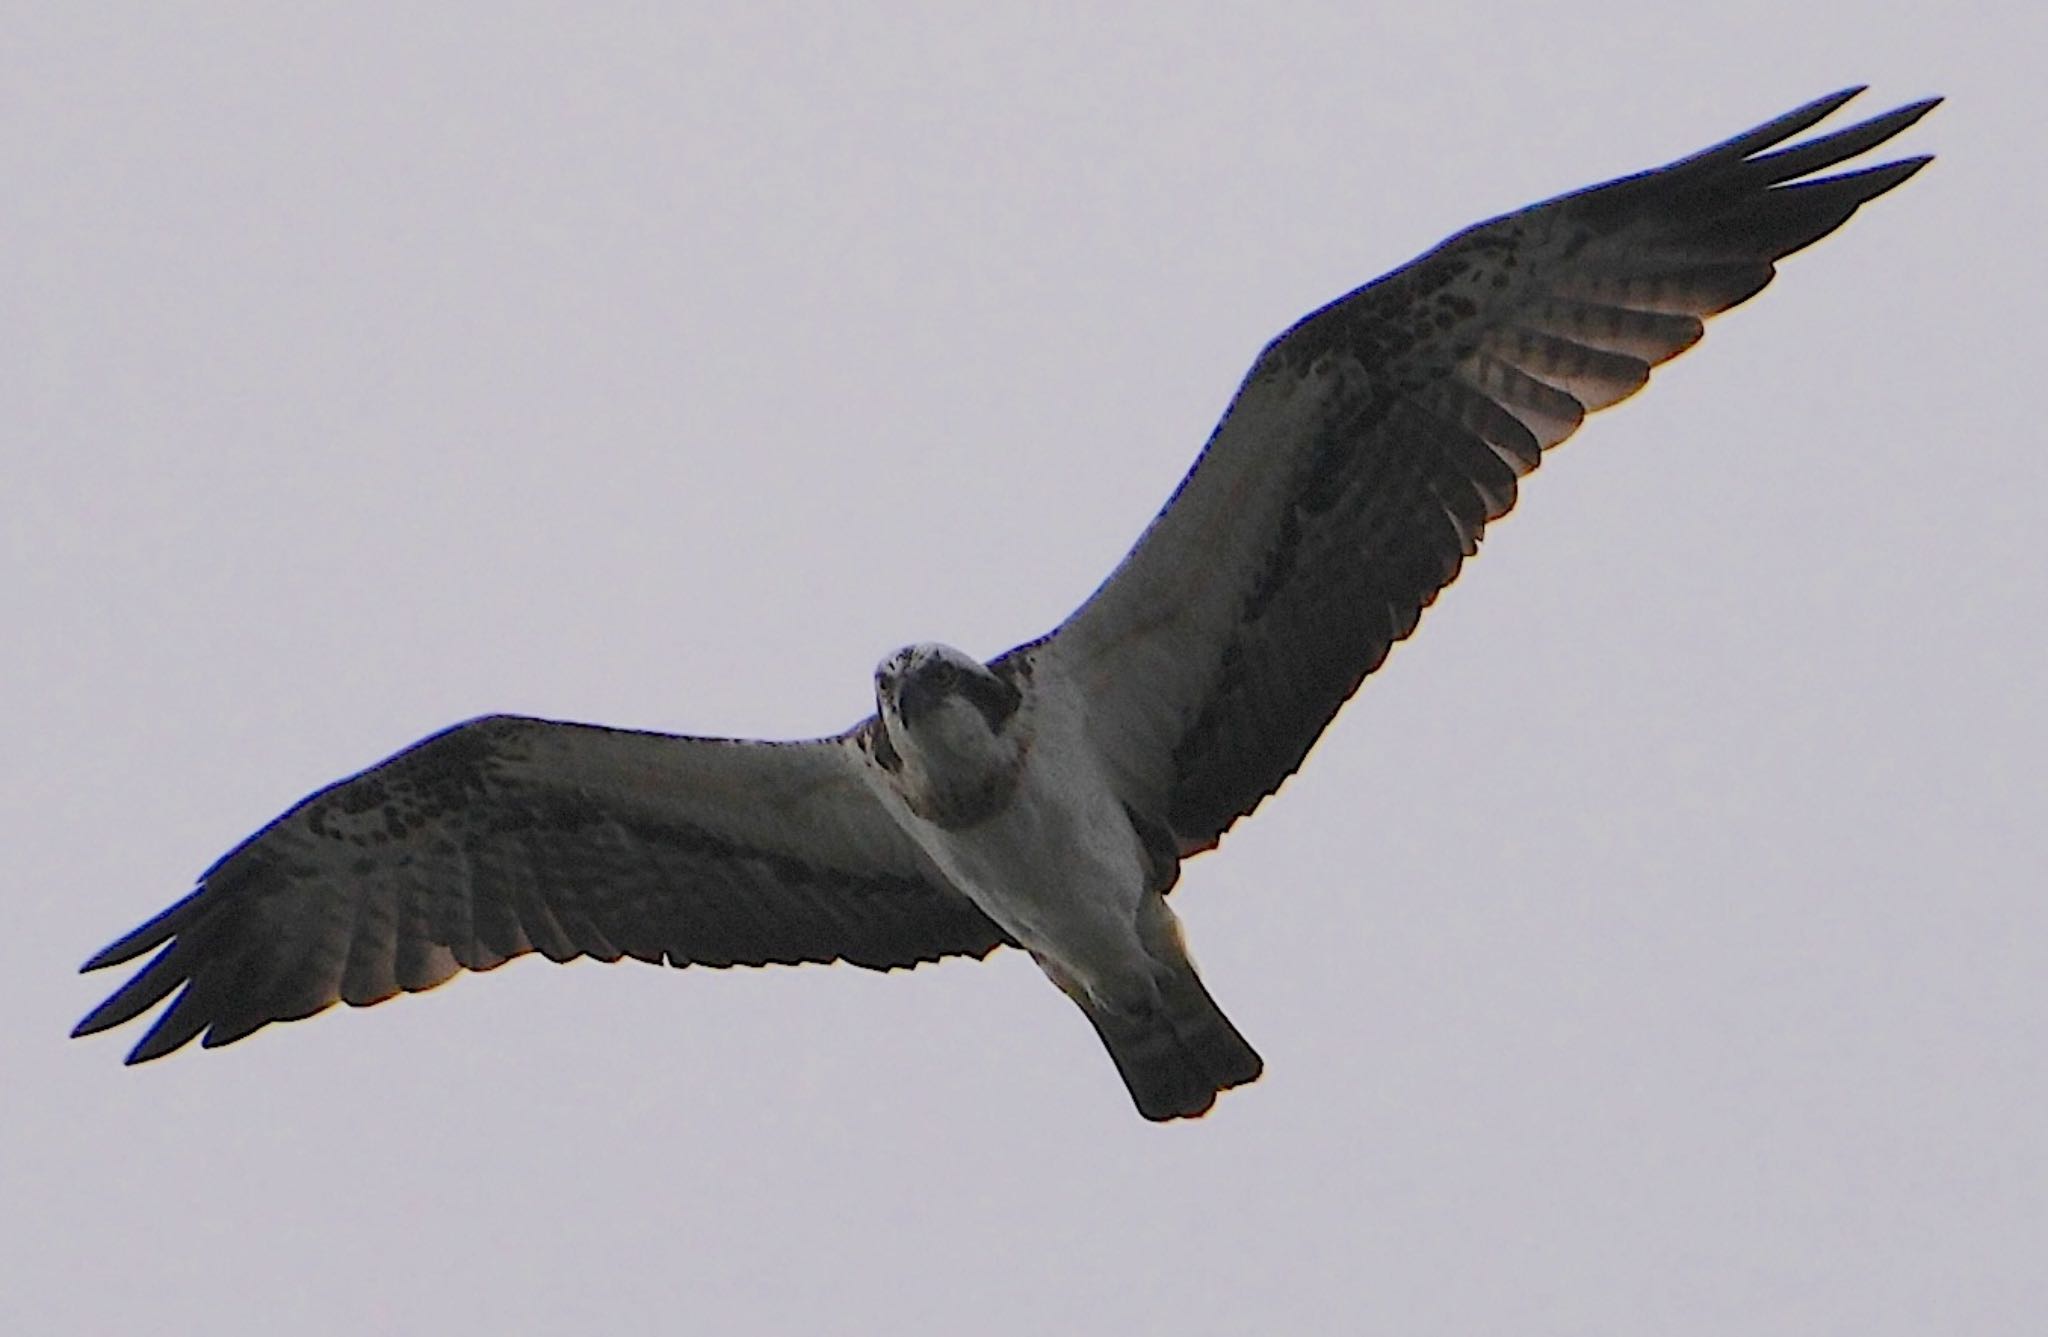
[1778, 128]
[179, 1025]
[1885, 176]
[1749, 147]
[1786, 164]
[152, 934]
[1738, 202]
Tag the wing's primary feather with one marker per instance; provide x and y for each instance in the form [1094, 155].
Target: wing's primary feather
[505, 836]
[1371, 443]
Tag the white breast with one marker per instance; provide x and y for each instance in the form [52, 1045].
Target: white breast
[1059, 866]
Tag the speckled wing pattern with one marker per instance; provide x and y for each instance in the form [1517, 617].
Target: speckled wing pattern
[1372, 442]
[508, 835]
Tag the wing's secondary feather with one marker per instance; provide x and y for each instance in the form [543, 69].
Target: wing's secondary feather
[1371, 443]
[506, 836]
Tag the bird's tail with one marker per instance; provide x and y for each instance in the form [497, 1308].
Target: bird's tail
[1172, 1045]
[1177, 1055]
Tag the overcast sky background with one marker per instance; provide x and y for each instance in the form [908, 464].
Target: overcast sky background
[1656, 945]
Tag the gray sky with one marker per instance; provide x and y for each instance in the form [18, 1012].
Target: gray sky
[1656, 945]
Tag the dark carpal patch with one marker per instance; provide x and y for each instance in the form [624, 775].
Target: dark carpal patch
[442, 774]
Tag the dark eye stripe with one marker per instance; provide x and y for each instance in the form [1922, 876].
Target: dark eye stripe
[995, 699]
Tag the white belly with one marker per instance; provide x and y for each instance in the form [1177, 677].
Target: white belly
[1060, 869]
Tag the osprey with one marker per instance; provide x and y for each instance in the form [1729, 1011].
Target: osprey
[1045, 799]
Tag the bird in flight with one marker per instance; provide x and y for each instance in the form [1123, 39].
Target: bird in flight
[1044, 799]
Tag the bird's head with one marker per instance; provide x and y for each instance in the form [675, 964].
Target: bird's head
[947, 720]
[922, 683]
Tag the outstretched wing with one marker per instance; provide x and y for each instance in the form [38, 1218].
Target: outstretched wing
[504, 836]
[1372, 442]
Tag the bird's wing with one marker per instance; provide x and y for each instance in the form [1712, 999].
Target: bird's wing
[508, 835]
[1371, 443]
